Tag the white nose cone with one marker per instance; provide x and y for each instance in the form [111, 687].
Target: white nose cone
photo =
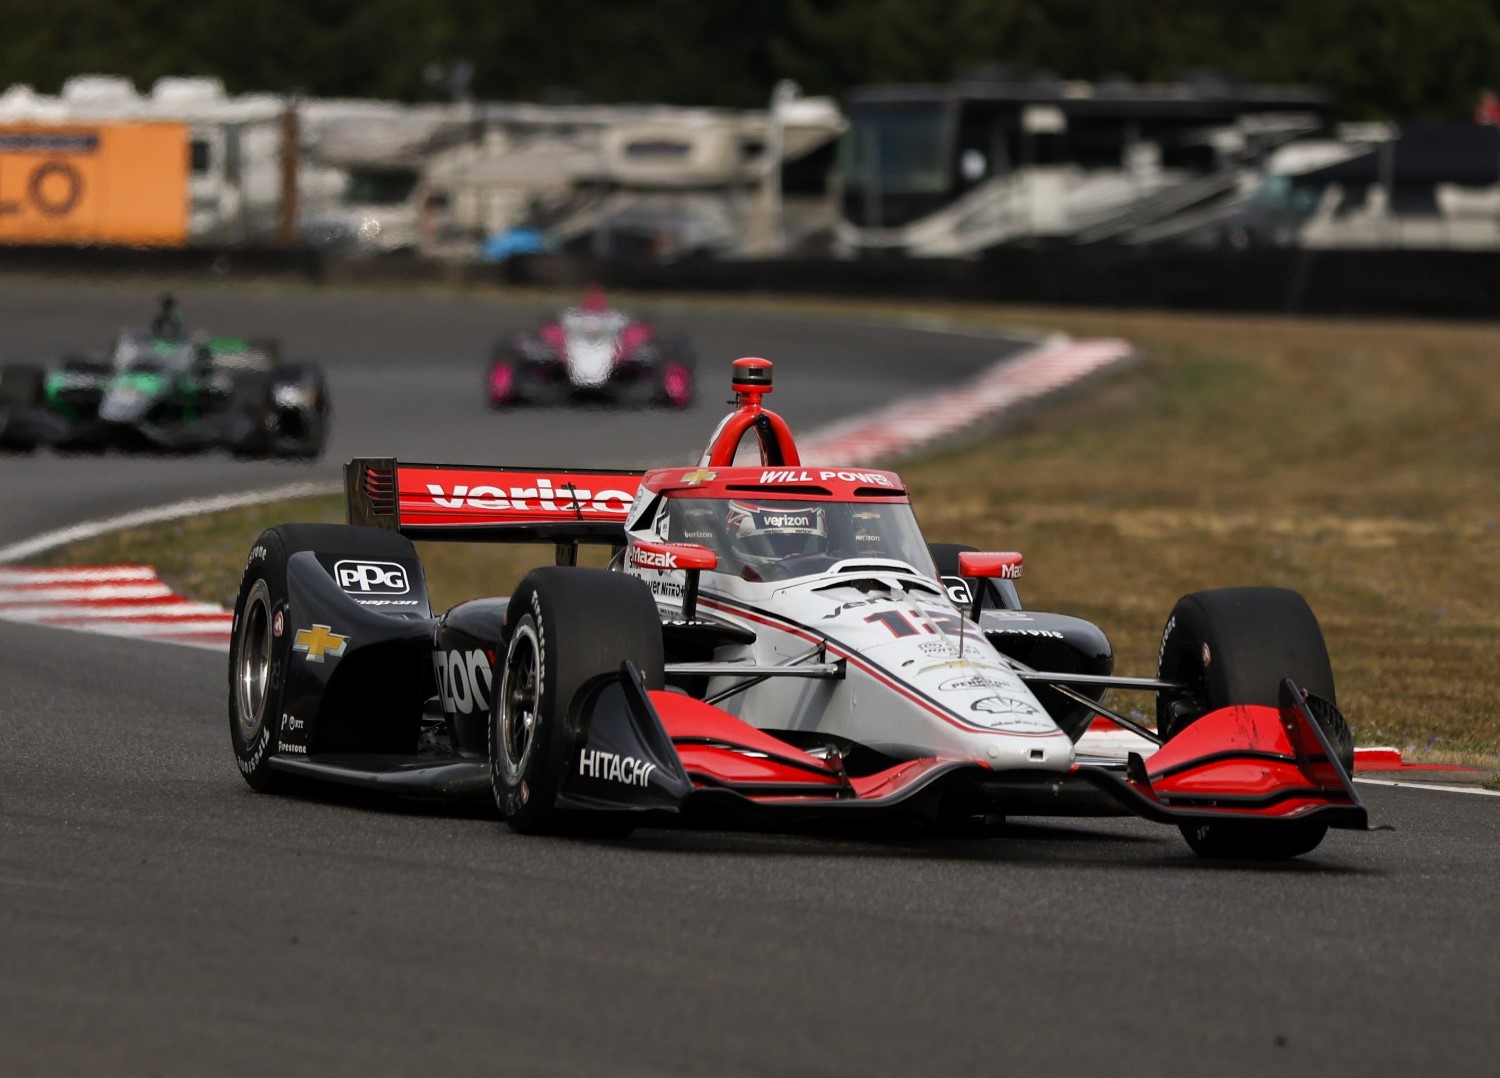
[590, 360]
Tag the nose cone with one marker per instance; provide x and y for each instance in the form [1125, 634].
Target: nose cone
[125, 404]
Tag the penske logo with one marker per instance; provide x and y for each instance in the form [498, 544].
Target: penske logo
[543, 496]
[319, 642]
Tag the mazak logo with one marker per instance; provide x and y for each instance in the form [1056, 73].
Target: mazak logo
[372, 577]
[655, 559]
[543, 496]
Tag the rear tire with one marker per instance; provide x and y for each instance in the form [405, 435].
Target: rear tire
[500, 383]
[250, 399]
[258, 662]
[1235, 646]
[21, 385]
[677, 373]
[565, 627]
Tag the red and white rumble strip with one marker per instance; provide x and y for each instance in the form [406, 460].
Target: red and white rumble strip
[899, 429]
[120, 600]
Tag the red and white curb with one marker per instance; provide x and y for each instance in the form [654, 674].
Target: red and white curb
[118, 600]
[901, 428]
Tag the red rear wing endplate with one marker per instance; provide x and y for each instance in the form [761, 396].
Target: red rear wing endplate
[474, 503]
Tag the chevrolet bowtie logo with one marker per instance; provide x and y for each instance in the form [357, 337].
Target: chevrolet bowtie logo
[700, 476]
[319, 641]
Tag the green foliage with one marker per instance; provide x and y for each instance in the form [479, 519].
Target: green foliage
[1394, 58]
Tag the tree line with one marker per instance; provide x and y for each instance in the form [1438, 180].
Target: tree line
[1398, 59]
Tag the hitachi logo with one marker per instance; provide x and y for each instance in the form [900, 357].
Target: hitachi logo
[543, 496]
[611, 767]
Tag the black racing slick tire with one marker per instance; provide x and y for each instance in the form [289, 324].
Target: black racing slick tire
[250, 402]
[21, 385]
[1235, 646]
[677, 375]
[259, 647]
[564, 627]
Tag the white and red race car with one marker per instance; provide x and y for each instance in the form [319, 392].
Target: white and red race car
[592, 352]
[771, 641]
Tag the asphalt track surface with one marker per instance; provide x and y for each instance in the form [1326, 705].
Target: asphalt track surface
[157, 917]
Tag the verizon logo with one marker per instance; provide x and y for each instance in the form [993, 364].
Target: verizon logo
[544, 497]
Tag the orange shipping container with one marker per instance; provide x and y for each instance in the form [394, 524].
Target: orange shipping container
[110, 183]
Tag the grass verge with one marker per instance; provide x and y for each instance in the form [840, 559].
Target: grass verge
[1358, 462]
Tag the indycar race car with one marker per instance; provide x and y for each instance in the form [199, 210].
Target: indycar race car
[592, 352]
[774, 642]
[161, 389]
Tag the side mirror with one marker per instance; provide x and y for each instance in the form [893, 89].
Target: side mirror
[670, 557]
[988, 566]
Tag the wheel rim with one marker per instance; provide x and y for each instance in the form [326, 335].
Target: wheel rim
[519, 696]
[253, 676]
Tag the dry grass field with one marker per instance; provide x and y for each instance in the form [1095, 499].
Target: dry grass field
[1356, 461]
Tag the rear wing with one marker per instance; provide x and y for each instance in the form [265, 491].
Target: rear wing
[473, 503]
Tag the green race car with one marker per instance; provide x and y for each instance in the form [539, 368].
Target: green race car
[160, 389]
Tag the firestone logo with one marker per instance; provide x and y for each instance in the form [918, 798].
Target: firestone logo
[544, 496]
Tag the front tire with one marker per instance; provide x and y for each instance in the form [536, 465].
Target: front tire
[1235, 646]
[565, 627]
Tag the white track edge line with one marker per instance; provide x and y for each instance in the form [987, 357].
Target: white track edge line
[1431, 786]
[40, 544]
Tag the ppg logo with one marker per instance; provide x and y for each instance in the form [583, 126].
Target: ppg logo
[372, 577]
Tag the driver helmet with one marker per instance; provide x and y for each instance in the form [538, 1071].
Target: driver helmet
[167, 321]
[594, 300]
[773, 531]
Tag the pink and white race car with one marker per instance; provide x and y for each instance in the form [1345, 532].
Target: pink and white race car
[771, 641]
[591, 352]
